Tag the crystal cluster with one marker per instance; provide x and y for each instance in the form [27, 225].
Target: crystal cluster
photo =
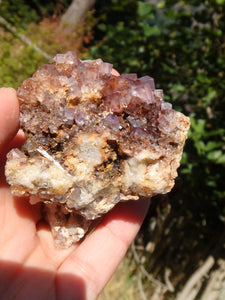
[93, 139]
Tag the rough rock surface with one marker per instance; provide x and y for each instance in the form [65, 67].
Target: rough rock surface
[93, 139]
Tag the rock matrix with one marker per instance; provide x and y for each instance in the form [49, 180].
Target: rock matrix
[93, 140]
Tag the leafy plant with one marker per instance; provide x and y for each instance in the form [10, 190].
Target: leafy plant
[181, 44]
[21, 13]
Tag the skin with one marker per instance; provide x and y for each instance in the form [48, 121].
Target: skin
[30, 266]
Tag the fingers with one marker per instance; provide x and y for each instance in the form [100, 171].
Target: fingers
[9, 116]
[97, 258]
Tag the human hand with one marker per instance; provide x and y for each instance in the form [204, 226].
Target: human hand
[30, 265]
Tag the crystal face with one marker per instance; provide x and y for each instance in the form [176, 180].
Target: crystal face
[93, 140]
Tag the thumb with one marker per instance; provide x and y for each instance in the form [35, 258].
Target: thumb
[9, 116]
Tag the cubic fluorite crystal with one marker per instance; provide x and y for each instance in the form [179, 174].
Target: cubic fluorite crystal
[93, 140]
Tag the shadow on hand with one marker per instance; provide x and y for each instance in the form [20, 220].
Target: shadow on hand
[20, 283]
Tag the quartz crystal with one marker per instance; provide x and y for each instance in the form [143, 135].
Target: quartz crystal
[93, 139]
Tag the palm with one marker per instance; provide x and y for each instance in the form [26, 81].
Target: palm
[27, 248]
[30, 266]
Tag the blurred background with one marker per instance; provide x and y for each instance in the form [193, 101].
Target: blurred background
[179, 252]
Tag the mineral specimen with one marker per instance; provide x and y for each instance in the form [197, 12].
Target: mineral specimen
[93, 139]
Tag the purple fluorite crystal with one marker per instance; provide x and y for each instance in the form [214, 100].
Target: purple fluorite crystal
[93, 139]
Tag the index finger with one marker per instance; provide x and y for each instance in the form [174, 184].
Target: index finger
[9, 116]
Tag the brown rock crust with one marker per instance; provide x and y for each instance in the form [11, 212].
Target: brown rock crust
[93, 140]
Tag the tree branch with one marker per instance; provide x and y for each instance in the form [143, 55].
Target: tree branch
[23, 38]
[194, 280]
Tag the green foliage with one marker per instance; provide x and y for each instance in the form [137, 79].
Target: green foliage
[18, 64]
[17, 12]
[21, 13]
[180, 44]
[19, 61]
